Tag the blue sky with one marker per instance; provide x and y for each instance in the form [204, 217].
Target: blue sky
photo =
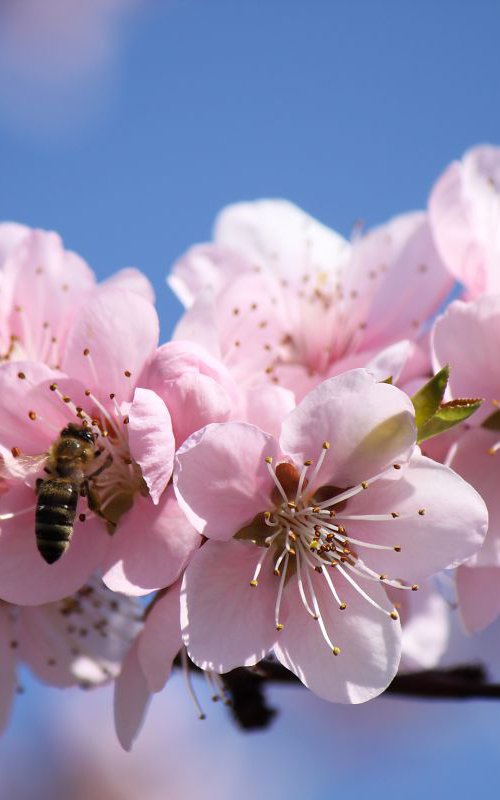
[351, 109]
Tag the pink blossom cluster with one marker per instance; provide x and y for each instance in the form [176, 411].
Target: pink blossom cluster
[281, 479]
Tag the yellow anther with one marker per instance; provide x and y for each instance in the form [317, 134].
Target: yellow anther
[343, 606]
[336, 651]
[254, 583]
[279, 626]
[397, 548]
[421, 511]
[364, 484]
[268, 460]
[326, 445]
[415, 587]
[394, 615]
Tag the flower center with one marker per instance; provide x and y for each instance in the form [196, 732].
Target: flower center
[308, 531]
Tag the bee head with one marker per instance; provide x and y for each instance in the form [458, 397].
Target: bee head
[79, 432]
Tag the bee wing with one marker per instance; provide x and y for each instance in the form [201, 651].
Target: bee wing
[21, 466]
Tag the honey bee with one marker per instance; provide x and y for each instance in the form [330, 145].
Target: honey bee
[68, 463]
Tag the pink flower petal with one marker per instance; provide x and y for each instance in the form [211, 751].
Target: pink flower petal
[195, 386]
[449, 530]
[150, 547]
[132, 280]
[161, 639]
[151, 440]
[463, 209]
[473, 461]
[221, 479]
[467, 337]
[368, 425]
[200, 324]
[226, 623]
[11, 234]
[25, 578]
[278, 237]
[412, 287]
[131, 701]
[205, 266]
[244, 324]
[8, 676]
[370, 644]
[120, 331]
[47, 287]
[478, 596]
[267, 407]
[18, 397]
[426, 619]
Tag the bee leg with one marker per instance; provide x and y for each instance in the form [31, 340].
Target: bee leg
[38, 483]
[107, 463]
[93, 504]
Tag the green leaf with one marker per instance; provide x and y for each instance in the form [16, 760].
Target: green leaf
[428, 399]
[492, 423]
[447, 416]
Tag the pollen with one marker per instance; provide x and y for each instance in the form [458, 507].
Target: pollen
[394, 615]
[32, 415]
[21, 376]
[336, 651]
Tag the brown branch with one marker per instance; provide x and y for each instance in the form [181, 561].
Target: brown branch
[246, 688]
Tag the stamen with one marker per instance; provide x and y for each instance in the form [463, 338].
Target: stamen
[279, 626]
[187, 677]
[363, 593]
[272, 473]
[335, 650]
[254, 582]
[319, 464]
[301, 587]
[93, 370]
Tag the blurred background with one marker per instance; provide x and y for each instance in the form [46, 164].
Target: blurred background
[126, 125]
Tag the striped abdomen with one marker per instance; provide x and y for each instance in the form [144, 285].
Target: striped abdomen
[55, 515]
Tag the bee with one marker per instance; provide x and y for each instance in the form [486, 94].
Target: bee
[69, 460]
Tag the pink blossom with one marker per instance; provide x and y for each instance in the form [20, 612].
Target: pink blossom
[78, 641]
[112, 342]
[426, 623]
[44, 288]
[464, 212]
[148, 664]
[281, 298]
[467, 337]
[306, 532]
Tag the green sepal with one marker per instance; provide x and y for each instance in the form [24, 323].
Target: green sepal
[447, 416]
[428, 399]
